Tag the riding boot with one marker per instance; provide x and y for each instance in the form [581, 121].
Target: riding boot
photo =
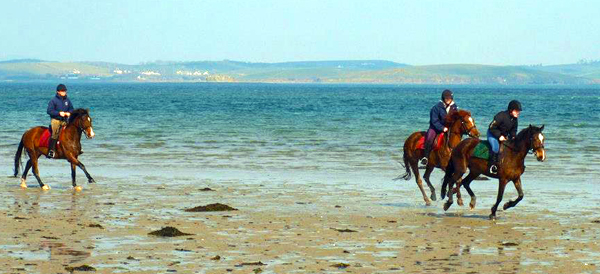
[426, 153]
[494, 163]
[51, 146]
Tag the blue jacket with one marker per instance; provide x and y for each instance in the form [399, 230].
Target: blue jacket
[437, 115]
[58, 104]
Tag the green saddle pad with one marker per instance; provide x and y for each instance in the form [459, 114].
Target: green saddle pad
[482, 150]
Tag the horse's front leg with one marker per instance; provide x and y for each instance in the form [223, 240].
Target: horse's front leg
[454, 179]
[501, 187]
[512, 203]
[73, 177]
[87, 174]
[428, 171]
[24, 176]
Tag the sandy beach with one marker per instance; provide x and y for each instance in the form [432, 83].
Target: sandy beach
[281, 226]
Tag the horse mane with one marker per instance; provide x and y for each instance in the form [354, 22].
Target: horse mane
[525, 133]
[77, 113]
[454, 115]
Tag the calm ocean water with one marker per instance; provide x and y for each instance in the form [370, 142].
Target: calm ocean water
[202, 128]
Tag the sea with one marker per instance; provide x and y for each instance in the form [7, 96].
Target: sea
[350, 135]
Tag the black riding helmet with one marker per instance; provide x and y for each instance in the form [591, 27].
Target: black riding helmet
[514, 105]
[447, 94]
[61, 87]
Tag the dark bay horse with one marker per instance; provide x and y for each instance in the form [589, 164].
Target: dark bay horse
[69, 147]
[459, 123]
[510, 167]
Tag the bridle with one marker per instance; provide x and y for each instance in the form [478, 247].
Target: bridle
[81, 128]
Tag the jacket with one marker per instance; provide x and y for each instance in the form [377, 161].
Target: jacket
[504, 125]
[58, 104]
[437, 115]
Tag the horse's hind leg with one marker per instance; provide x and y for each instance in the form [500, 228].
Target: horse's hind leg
[428, 172]
[24, 176]
[36, 172]
[511, 203]
[415, 168]
[455, 177]
[89, 177]
[466, 182]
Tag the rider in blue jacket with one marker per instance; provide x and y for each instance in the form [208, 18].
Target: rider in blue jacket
[437, 116]
[59, 109]
[502, 128]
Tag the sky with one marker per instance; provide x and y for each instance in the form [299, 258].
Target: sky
[420, 32]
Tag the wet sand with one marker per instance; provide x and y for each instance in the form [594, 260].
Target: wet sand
[280, 227]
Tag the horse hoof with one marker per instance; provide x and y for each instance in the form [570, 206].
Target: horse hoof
[78, 188]
[446, 206]
[23, 184]
[46, 187]
[460, 202]
[433, 197]
[492, 217]
[91, 181]
[471, 207]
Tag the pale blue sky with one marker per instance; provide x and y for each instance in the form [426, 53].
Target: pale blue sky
[415, 32]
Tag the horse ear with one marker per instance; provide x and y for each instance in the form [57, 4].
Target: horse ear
[542, 128]
[530, 126]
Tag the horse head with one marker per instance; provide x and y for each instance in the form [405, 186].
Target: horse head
[537, 142]
[467, 123]
[81, 119]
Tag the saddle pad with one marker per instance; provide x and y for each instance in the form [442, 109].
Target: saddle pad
[482, 150]
[436, 146]
[45, 138]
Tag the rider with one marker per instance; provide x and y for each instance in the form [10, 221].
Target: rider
[502, 128]
[437, 115]
[59, 109]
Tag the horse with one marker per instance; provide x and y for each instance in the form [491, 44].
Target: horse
[459, 123]
[510, 167]
[68, 147]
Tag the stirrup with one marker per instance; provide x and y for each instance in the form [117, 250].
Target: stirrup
[424, 161]
[493, 169]
[50, 154]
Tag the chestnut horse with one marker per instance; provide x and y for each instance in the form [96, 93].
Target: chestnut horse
[458, 123]
[68, 147]
[510, 167]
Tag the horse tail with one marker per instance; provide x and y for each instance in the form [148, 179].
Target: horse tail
[406, 165]
[18, 157]
[447, 178]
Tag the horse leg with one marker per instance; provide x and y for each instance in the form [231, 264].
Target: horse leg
[24, 176]
[467, 184]
[455, 177]
[511, 203]
[428, 172]
[36, 172]
[87, 174]
[415, 168]
[456, 190]
[73, 175]
[501, 186]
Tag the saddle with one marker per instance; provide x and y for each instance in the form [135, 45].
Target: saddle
[45, 138]
[482, 150]
[437, 144]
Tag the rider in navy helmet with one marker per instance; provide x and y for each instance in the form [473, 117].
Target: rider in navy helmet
[437, 115]
[502, 128]
[59, 109]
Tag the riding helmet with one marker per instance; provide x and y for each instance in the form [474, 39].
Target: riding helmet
[61, 87]
[514, 105]
[447, 94]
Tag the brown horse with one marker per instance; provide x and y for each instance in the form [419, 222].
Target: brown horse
[510, 168]
[459, 123]
[69, 147]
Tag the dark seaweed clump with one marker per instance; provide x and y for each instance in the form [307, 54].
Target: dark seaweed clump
[168, 231]
[84, 267]
[341, 265]
[211, 207]
[253, 263]
[344, 230]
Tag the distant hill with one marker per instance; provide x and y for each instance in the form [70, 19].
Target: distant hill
[342, 71]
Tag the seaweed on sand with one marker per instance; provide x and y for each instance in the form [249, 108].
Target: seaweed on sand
[168, 231]
[211, 207]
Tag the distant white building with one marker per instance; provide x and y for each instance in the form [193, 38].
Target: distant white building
[150, 73]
